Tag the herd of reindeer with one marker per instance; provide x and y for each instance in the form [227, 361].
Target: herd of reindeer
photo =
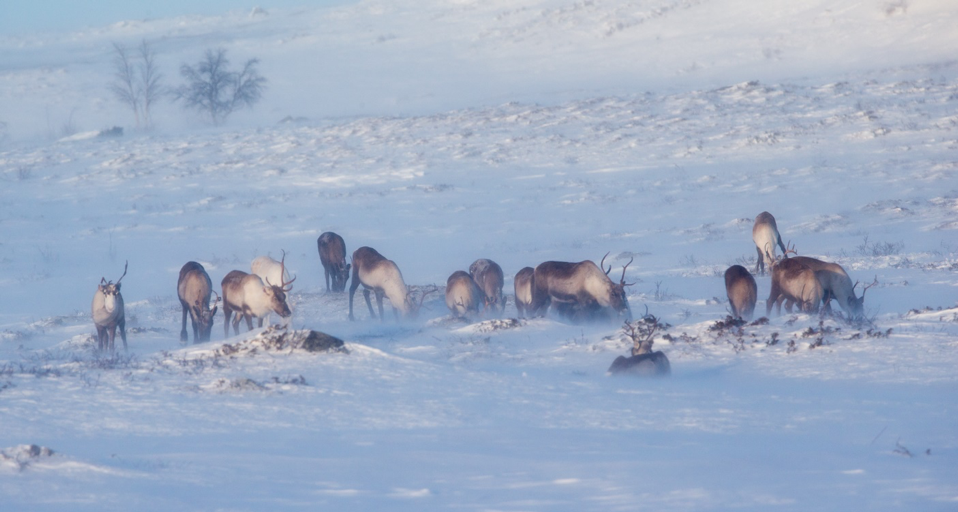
[579, 292]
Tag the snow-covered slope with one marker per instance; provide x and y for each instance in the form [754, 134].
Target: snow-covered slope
[443, 132]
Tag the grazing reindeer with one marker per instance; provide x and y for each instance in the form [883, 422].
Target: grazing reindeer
[837, 285]
[194, 288]
[383, 277]
[523, 287]
[766, 237]
[742, 291]
[332, 254]
[793, 282]
[582, 284]
[247, 296]
[108, 313]
[488, 275]
[463, 295]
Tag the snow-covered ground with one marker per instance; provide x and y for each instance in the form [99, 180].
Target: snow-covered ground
[442, 132]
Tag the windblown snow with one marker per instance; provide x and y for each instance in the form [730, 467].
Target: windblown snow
[440, 132]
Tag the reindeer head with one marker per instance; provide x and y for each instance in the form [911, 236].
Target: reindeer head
[618, 299]
[205, 318]
[111, 290]
[340, 275]
[411, 307]
[857, 305]
[277, 293]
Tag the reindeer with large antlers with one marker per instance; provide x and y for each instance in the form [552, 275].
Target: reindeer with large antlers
[581, 287]
[194, 288]
[108, 313]
[248, 297]
[381, 276]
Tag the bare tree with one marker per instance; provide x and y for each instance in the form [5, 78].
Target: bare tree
[214, 90]
[124, 85]
[137, 84]
[150, 82]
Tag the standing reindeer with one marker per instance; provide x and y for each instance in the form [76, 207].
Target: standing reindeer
[108, 313]
[488, 275]
[463, 296]
[375, 273]
[523, 288]
[742, 292]
[271, 271]
[793, 282]
[581, 287]
[194, 288]
[766, 237]
[332, 254]
[248, 297]
[837, 285]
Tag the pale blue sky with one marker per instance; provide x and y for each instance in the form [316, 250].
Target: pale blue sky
[26, 16]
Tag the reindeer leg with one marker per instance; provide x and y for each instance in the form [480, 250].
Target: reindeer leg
[112, 334]
[122, 325]
[226, 321]
[369, 303]
[760, 263]
[326, 271]
[379, 304]
[249, 321]
[183, 335]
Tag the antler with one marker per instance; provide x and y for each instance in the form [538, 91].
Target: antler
[215, 302]
[865, 289]
[125, 265]
[284, 284]
[789, 250]
[622, 280]
[602, 264]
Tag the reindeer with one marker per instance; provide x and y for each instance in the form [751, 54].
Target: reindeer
[582, 287]
[194, 288]
[332, 254]
[488, 275]
[766, 237]
[108, 312]
[837, 285]
[247, 296]
[643, 360]
[741, 290]
[463, 295]
[523, 288]
[270, 271]
[374, 272]
[793, 282]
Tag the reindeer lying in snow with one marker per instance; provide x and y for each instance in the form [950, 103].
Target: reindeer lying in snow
[108, 314]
